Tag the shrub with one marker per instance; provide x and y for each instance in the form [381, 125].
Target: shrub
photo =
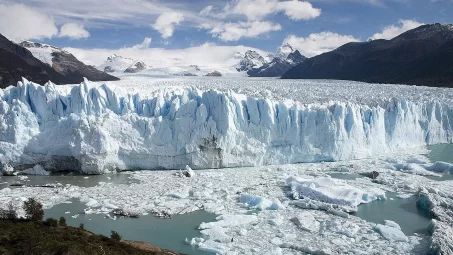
[51, 222]
[82, 226]
[62, 222]
[10, 213]
[115, 236]
[33, 210]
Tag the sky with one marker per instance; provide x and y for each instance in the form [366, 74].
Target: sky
[138, 27]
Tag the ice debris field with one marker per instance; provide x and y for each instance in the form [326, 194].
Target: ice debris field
[268, 203]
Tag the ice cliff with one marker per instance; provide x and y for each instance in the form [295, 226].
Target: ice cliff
[93, 129]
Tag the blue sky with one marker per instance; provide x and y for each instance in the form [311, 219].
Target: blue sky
[263, 24]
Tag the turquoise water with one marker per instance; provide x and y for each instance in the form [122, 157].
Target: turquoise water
[64, 178]
[441, 152]
[402, 211]
[164, 233]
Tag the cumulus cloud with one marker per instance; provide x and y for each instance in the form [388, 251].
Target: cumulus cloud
[144, 45]
[235, 31]
[73, 31]
[258, 9]
[19, 22]
[298, 10]
[318, 43]
[392, 31]
[166, 23]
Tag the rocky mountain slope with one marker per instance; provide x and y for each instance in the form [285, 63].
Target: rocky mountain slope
[285, 58]
[421, 56]
[65, 63]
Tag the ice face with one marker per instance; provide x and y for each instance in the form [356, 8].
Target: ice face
[95, 128]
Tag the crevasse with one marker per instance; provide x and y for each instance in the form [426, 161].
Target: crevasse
[93, 129]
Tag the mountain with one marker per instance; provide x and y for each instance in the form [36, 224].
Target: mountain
[116, 63]
[284, 59]
[421, 56]
[65, 64]
[17, 62]
[250, 60]
[136, 67]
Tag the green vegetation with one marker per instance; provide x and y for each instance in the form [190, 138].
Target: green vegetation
[62, 222]
[34, 236]
[115, 236]
[33, 210]
[28, 237]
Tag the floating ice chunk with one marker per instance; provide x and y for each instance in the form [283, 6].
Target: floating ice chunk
[344, 227]
[331, 191]
[216, 234]
[392, 224]
[92, 203]
[413, 168]
[36, 170]
[189, 172]
[391, 233]
[275, 220]
[440, 167]
[5, 190]
[229, 220]
[307, 222]
[255, 201]
[210, 246]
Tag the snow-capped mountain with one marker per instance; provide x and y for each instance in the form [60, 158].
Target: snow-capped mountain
[250, 60]
[284, 51]
[285, 58]
[116, 63]
[41, 51]
[136, 67]
[69, 67]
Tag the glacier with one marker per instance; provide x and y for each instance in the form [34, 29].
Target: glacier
[95, 128]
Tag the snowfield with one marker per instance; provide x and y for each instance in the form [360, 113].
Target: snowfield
[148, 123]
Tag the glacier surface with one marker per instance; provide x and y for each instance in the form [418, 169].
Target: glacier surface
[212, 123]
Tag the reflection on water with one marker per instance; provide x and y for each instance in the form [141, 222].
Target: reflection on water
[164, 233]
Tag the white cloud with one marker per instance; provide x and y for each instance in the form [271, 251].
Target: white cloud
[258, 9]
[206, 11]
[206, 55]
[297, 10]
[19, 22]
[235, 31]
[318, 43]
[73, 31]
[166, 23]
[392, 31]
[144, 45]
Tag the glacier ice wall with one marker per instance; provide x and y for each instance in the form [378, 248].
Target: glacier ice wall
[94, 129]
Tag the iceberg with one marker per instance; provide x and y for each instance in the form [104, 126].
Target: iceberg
[92, 128]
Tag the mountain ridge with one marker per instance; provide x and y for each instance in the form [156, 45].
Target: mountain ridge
[407, 59]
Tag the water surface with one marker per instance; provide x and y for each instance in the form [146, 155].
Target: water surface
[164, 233]
[402, 211]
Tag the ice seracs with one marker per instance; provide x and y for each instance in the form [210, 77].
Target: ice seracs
[98, 128]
